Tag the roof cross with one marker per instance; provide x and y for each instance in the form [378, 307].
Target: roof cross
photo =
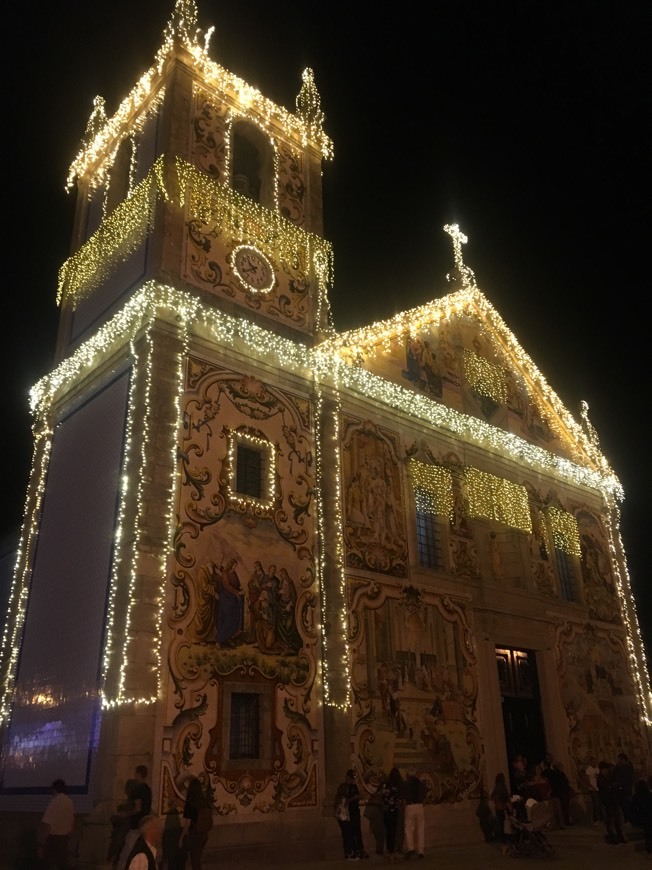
[459, 239]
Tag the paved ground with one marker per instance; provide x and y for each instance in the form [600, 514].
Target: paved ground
[577, 848]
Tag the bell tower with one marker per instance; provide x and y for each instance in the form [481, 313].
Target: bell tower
[199, 181]
[176, 425]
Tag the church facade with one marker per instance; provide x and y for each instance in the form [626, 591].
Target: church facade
[292, 551]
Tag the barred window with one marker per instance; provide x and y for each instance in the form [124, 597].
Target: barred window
[244, 739]
[249, 471]
[566, 575]
[428, 540]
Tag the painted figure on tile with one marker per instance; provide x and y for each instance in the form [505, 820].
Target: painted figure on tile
[230, 606]
[202, 627]
[422, 367]
[254, 589]
[355, 509]
[286, 626]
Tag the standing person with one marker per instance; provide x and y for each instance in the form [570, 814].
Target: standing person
[56, 826]
[145, 849]
[501, 800]
[564, 791]
[343, 797]
[347, 813]
[140, 799]
[642, 811]
[591, 772]
[623, 777]
[197, 822]
[610, 807]
[354, 814]
[414, 793]
[519, 772]
[551, 773]
[392, 798]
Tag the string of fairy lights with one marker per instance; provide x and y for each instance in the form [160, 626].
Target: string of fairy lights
[334, 367]
[127, 227]
[266, 449]
[486, 378]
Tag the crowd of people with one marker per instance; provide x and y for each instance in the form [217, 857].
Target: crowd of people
[617, 797]
[401, 801]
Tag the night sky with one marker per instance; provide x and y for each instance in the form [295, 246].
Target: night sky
[528, 124]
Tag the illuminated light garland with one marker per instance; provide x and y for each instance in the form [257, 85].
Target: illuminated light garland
[321, 539]
[486, 378]
[565, 533]
[133, 220]
[469, 429]
[97, 154]
[20, 586]
[433, 488]
[118, 236]
[136, 546]
[496, 498]
[334, 696]
[267, 501]
[209, 200]
[637, 659]
[119, 538]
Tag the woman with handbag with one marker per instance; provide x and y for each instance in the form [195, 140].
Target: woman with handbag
[347, 813]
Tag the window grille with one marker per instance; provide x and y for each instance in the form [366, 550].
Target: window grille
[245, 725]
[249, 471]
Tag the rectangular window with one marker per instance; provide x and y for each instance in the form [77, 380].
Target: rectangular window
[428, 540]
[565, 574]
[249, 471]
[244, 740]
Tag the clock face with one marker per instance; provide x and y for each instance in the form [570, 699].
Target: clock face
[253, 269]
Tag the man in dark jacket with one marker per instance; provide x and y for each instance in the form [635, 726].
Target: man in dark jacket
[623, 777]
[610, 806]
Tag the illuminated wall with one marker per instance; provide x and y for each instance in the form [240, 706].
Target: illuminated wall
[54, 725]
[245, 598]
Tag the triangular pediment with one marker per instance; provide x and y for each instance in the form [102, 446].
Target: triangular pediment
[458, 351]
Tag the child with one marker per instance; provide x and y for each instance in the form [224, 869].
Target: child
[501, 801]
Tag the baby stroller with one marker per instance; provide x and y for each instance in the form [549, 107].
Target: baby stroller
[526, 825]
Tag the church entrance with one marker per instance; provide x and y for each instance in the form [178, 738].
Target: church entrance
[521, 706]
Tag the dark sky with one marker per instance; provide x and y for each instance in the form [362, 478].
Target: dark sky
[527, 123]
